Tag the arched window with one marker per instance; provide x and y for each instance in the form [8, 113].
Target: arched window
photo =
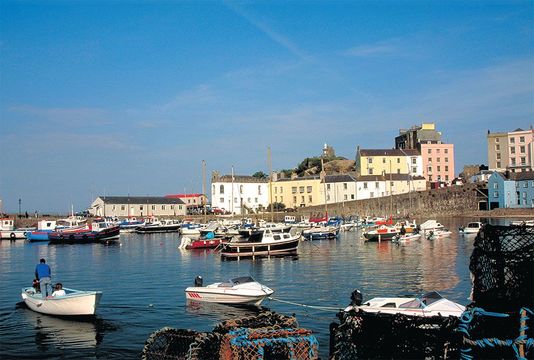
[221, 189]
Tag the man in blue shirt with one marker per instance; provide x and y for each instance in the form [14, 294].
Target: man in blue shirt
[43, 274]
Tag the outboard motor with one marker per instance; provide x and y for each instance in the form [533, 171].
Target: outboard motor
[356, 298]
[198, 281]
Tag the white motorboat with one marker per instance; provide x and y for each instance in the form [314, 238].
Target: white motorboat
[430, 225]
[471, 228]
[438, 234]
[238, 291]
[429, 304]
[74, 303]
[406, 238]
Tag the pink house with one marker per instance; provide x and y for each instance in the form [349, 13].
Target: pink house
[438, 162]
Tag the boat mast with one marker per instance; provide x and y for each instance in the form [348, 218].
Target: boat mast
[390, 192]
[323, 173]
[269, 162]
[204, 196]
[232, 194]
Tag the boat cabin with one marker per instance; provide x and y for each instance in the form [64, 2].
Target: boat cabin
[43, 225]
[7, 224]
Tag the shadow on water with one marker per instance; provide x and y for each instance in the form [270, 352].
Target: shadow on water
[219, 312]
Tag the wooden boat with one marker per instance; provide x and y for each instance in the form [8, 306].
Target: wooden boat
[267, 243]
[238, 291]
[74, 303]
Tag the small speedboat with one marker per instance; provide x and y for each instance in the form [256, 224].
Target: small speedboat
[429, 304]
[406, 238]
[471, 228]
[238, 291]
[74, 303]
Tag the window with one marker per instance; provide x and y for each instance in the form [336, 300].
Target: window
[221, 189]
[294, 199]
[446, 177]
[523, 162]
[153, 207]
[524, 195]
[140, 207]
[429, 169]
[446, 151]
[294, 190]
[383, 160]
[446, 159]
[512, 150]
[302, 199]
[259, 189]
[439, 168]
[497, 147]
[213, 190]
[495, 194]
[327, 186]
[221, 200]
[398, 160]
[327, 197]
[365, 185]
[309, 189]
[301, 189]
[446, 167]
[498, 164]
[525, 185]
[512, 140]
[414, 170]
[438, 160]
[369, 160]
[352, 196]
[122, 207]
[310, 199]
[513, 161]
[496, 140]
[430, 151]
[377, 185]
[372, 194]
[235, 200]
[281, 190]
[370, 171]
[162, 207]
[398, 171]
[429, 177]
[522, 149]
[344, 197]
[276, 199]
[430, 160]
[241, 189]
[172, 207]
[248, 200]
[414, 161]
[391, 183]
[345, 186]
[113, 208]
[521, 139]
[498, 156]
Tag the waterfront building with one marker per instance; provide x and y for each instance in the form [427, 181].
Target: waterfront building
[191, 200]
[388, 161]
[512, 151]
[298, 191]
[437, 156]
[239, 194]
[511, 190]
[139, 206]
[372, 186]
[340, 188]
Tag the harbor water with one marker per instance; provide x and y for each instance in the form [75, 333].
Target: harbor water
[143, 280]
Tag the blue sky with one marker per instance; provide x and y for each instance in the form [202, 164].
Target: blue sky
[118, 97]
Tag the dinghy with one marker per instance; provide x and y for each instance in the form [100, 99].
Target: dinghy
[238, 291]
[73, 303]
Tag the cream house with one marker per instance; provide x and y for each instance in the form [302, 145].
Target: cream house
[140, 206]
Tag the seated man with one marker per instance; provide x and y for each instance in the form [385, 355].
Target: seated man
[58, 290]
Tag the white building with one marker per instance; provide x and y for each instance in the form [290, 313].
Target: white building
[139, 206]
[239, 194]
[372, 186]
[340, 188]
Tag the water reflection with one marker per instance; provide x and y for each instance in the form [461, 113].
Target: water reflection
[64, 333]
[219, 312]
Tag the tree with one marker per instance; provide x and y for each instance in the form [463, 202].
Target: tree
[260, 175]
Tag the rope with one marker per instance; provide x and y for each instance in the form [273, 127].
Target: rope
[323, 308]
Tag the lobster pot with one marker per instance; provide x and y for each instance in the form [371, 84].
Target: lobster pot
[361, 335]
[252, 344]
[265, 319]
[502, 265]
[169, 343]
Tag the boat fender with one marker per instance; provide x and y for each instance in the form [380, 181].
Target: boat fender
[198, 281]
[356, 298]
[12, 235]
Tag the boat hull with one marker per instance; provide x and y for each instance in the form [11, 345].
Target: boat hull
[204, 244]
[204, 295]
[380, 236]
[157, 229]
[85, 237]
[83, 304]
[13, 234]
[250, 249]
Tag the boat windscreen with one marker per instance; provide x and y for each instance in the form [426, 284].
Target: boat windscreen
[431, 297]
[242, 280]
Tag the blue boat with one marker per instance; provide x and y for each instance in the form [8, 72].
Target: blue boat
[44, 228]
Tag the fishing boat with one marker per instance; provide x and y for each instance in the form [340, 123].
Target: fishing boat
[130, 224]
[74, 303]
[8, 231]
[382, 233]
[471, 228]
[98, 232]
[321, 233]
[44, 228]
[264, 243]
[238, 291]
[429, 304]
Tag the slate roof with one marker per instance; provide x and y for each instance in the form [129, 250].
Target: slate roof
[339, 178]
[389, 152]
[308, 177]
[240, 179]
[386, 177]
[140, 200]
[519, 176]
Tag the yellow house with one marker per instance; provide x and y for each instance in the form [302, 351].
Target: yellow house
[388, 161]
[297, 192]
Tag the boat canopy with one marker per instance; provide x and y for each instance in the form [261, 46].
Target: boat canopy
[423, 301]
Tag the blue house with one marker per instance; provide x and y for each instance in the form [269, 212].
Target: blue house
[511, 190]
